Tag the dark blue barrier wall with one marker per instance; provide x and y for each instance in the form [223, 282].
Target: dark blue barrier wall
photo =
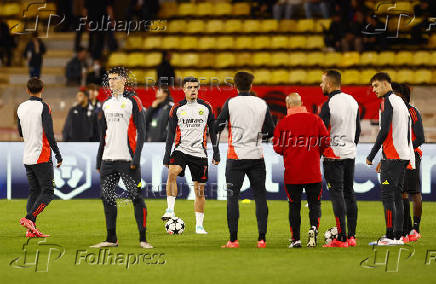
[77, 178]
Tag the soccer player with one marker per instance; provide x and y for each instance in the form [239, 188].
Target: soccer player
[119, 154]
[249, 120]
[412, 180]
[340, 114]
[188, 124]
[395, 136]
[302, 164]
[35, 125]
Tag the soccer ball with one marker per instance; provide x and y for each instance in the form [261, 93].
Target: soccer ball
[330, 234]
[175, 226]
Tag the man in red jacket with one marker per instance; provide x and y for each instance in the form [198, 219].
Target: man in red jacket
[301, 137]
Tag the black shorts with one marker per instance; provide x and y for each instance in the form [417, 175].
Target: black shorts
[198, 166]
[412, 180]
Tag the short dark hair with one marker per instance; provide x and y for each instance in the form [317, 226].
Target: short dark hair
[165, 90]
[243, 80]
[34, 85]
[381, 76]
[190, 80]
[334, 77]
[406, 92]
[80, 49]
[397, 88]
[120, 71]
[85, 92]
[93, 87]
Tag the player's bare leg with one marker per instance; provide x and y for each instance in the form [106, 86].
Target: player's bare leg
[199, 207]
[171, 188]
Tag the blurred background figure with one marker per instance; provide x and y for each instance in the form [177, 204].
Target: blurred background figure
[79, 123]
[143, 9]
[316, 6]
[166, 75]
[33, 53]
[156, 117]
[77, 68]
[95, 107]
[95, 73]
[7, 43]
[287, 8]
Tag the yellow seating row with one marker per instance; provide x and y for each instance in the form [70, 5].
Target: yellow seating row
[297, 76]
[244, 26]
[226, 42]
[204, 9]
[27, 9]
[392, 7]
[277, 59]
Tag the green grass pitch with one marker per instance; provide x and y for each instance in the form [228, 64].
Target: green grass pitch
[191, 258]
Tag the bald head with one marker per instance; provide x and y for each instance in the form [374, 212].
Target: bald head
[293, 100]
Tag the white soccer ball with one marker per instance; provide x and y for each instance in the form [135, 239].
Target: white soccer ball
[175, 226]
[330, 234]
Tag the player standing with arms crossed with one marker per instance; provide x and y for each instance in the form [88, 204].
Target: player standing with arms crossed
[249, 120]
[340, 114]
[35, 125]
[119, 155]
[187, 128]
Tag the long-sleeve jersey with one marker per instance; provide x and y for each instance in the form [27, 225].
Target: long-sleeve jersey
[187, 129]
[417, 129]
[122, 129]
[340, 114]
[249, 121]
[395, 130]
[35, 125]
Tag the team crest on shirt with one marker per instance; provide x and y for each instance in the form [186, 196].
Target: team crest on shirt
[201, 112]
[183, 113]
[123, 105]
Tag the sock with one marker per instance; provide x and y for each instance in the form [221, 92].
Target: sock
[111, 236]
[416, 221]
[261, 237]
[199, 216]
[407, 225]
[233, 236]
[171, 201]
[390, 234]
[142, 236]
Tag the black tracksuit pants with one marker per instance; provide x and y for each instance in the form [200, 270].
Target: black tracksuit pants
[40, 178]
[235, 173]
[110, 174]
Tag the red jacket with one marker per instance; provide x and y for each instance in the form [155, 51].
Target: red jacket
[301, 138]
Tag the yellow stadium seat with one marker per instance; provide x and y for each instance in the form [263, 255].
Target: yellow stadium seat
[406, 76]
[296, 42]
[222, 9]
[244, 42]
[397, 7]
[15, 26]
[332, 59]
[176, 26]
[313, 76]
[423, 76]
[117, 59]
[243, 59]
[206, 43]
[204, 9]
[297, 59]
[306, 25]
[322, 25]
[280, 76]
[251, 26]
[134, 42]
[315, 59]
[224, 76]
[433, 78]
[215, 26]
[349, 59]
[240, 9]
[432, 61]
[368, 58]
[386, 58]
[152, 59]
[190, 73]
[10, 9]
[206, 60]
[189, 43]
[167, 10]
[152, 42]
[136, 59]
[150, 77]
[195, 26]
[288, 26]
[279, 42]
[205, 76]
[315, 42]
[224, 42]
[351, 77]
[261, 59]
[262, 76]
[233, 26]
[225, 59]
[171, 42]
[432, 41]
[297, 76]
[261, 42]
[404, 58]
[269, 26]
[421, 58]
[393, 73]
[366, 75]
[280, 59]
[187, 9]
[138, 75]
[189, 60]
